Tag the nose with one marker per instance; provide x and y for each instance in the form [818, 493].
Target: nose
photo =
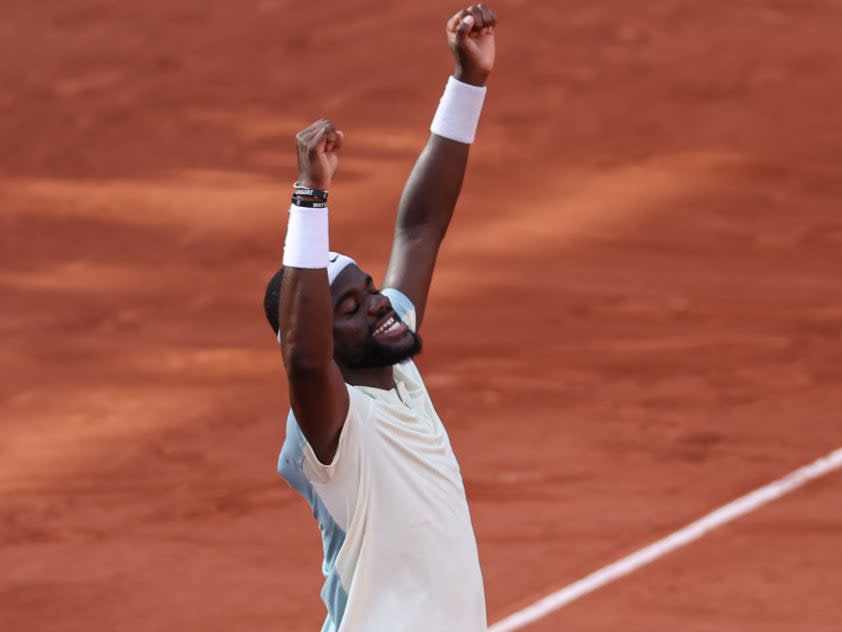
[377, 304]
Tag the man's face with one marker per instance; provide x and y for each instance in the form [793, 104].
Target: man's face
[367, 333]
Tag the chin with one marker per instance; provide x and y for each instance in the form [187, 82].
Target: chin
[407, 349]
[380, 355]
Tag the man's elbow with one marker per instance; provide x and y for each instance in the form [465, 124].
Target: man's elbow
[424, 236]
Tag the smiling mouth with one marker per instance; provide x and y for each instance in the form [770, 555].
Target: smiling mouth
[389, 326]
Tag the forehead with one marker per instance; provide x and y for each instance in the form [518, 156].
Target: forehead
[351, 278]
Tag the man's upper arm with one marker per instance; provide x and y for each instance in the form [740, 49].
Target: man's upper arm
[320, 404]
[411, 265]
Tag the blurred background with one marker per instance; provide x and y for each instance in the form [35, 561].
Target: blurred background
[637, 315]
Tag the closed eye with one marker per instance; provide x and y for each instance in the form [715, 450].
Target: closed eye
[349, 304]
[348, 307]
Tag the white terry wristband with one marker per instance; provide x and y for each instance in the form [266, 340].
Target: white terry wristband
[306, 244]
[458, 113]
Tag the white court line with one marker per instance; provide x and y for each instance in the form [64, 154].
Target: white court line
[692, 531]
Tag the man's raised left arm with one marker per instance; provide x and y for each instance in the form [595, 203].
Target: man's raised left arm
[430, 194]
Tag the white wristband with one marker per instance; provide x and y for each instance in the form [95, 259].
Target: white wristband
[306, 244]
[458, 113]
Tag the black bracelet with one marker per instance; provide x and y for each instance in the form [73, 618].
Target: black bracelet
[300, 189]
[308, 203]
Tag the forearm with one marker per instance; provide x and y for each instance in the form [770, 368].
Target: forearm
[306, 320]
[433, 187]
[305, 313]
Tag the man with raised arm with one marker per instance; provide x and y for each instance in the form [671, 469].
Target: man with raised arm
[364, 445]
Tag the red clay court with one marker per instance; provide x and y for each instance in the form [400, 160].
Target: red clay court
[637, 316]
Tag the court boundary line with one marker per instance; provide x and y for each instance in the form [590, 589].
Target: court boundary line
[693, 531]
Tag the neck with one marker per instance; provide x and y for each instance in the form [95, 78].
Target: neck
[380, 377]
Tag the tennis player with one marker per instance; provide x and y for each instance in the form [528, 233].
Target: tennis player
[364, 445]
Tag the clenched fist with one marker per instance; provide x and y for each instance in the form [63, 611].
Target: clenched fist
[318, 154]
[470, 34]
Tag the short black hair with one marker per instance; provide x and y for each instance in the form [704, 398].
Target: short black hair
[272, 298]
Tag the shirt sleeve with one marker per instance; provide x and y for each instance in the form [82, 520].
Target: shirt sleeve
[338, 483]
[403, 307]
[351, 440]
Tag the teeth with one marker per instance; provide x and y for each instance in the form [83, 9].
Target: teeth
[387, 326]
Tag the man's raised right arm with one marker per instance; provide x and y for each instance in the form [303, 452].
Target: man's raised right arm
[317, 391]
